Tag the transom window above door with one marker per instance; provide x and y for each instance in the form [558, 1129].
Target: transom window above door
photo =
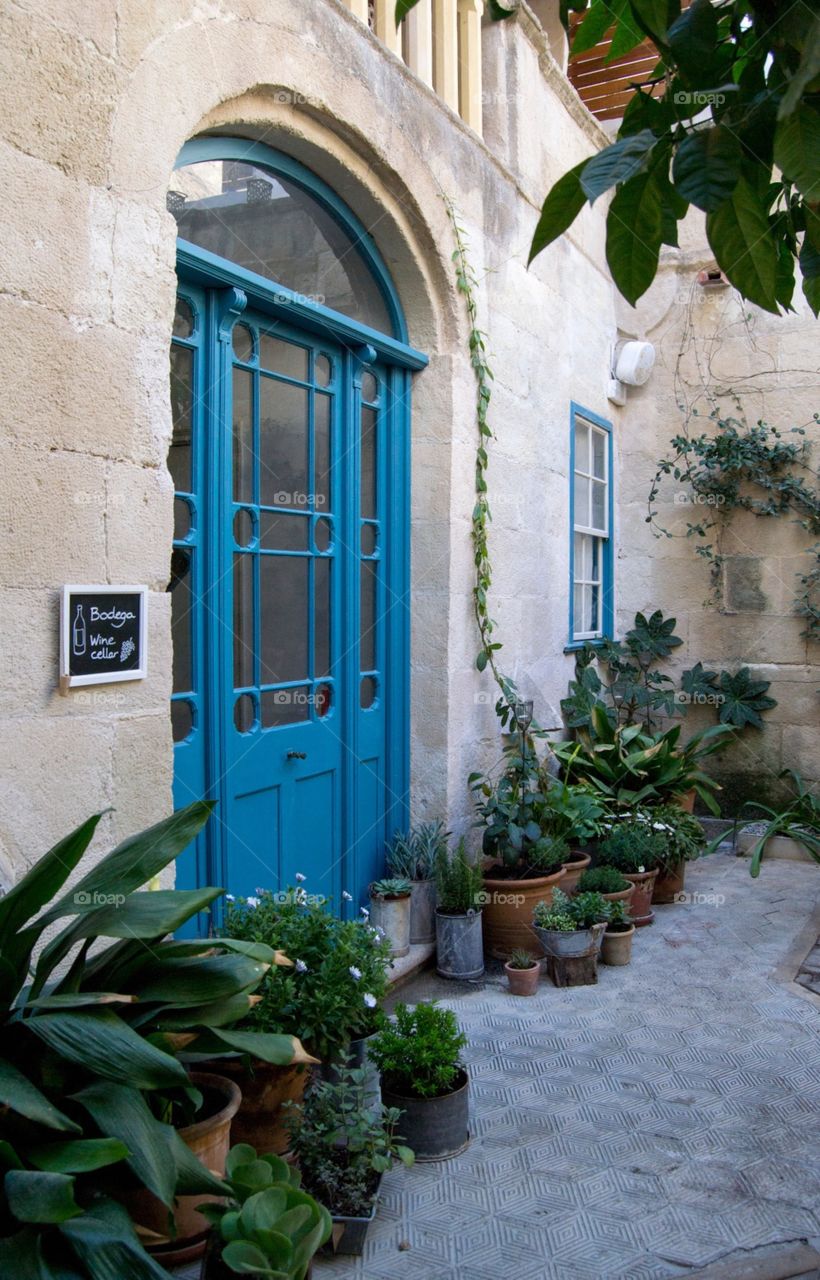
[268, 224]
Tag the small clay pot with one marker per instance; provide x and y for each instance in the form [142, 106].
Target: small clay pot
[523, 982]
[640, 904]
[616, 947]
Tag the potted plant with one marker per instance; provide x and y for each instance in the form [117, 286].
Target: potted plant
[418, 1055]
[390, 912]
[611, 883]
[343, 1145]
[616, 945]
[331, 993]
[683, 840]
[267, 1226]
[459, 894]
[523, 972]
[523, 865]
[636, 848]
[570, 927]
[572, 813]
[798, 821]
[412, 854]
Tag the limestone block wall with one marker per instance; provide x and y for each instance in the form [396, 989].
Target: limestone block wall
[96, 101]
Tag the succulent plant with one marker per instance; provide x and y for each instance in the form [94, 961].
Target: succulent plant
[395, 887]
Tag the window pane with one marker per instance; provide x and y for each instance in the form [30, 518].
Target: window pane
[577, 610]
[285, 706]
[182, 600]
[279, 532]
[183, 320]
[283, 357]
[283, 445]
[581, 447]
[599, 454]
[321, 453]
[182, 719]
[242, 340]
[368, 615]
[273, 227]
[369, 463]
[594, 570]
[242, 436]
[283, 587]
[244, 713]
[595, 607]
[243, 637]
[581, 498]
[182, 400]
[321, 618]
[581, 557]
[598, 505]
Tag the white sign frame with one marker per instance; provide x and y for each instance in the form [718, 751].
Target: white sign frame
[68, 681]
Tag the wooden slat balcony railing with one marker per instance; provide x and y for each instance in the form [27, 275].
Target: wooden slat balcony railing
[604, 87]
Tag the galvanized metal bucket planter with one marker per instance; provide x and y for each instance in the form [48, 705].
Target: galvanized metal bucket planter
[423, 912]
[459, 945]
[392, 916]
[580, 942]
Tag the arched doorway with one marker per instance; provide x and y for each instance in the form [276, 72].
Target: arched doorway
[290, 380]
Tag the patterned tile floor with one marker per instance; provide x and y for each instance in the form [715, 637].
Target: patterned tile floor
[644, 1127]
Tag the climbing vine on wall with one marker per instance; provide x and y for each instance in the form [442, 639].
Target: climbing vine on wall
[486, 659]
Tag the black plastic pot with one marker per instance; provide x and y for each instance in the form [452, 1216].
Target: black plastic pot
[434, 1128]
[350, 1238]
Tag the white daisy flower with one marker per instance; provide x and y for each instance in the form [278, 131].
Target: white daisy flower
[300, 966]
[363, 911]
[346, 897]
[252, 902]
[354, 972]
[300, 877]
[641, 870]
[369, 1000]
[229, 897]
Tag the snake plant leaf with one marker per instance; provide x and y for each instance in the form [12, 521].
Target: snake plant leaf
[100, 1042]
[40, 1197]
[133, 863]
[20, 1095]
[80, 1155]
[105, 1242]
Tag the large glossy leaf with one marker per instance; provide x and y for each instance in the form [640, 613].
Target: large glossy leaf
[81, 1155]
[807, 71]
[196, 981]
[277, 1049]
[693, 39]
[617, 163]
[21, 1257]
[741, 240]
[99, 1041]
[560, 209]
[105, 1242]
[706, 167]
[45, 878]
[134, 862]
[248, 1259]
[18, 1093]
[122, 1112]
[595, 24]
[192, 1178]
[656, 17]
[797, 150]
[40, 1197]
[634, 229]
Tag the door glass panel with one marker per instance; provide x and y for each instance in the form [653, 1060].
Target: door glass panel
[182, 519]
[244, 713]
[278, 532]
[368, 499]
[243, 527]
[367, 651]
[181, 589]
[283, 444]
[284, 602]
[368, 689]
[242, 340]
[183, 320]
[322, 535]
[322, 371]
[323, 700]
[370, 387]
[182, 393]
[321, 617]
[242, 436]
[182, 719]
[368, 539]
[321, 453]
[285, 706]
[280, 356]
[243, 639]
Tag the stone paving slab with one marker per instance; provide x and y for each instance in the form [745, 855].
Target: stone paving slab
[644, 1128]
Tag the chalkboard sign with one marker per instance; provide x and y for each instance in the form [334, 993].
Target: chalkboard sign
[102, 635]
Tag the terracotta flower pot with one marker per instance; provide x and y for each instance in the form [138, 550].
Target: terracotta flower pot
[209, 1139]
[640, 904]
[508, 907]
[574, 868]
[623, 895]
[668, 884]
[686, 800]
[260, 1120]
[523, 982]
[616, 947]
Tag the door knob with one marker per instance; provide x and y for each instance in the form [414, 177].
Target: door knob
[297, 755]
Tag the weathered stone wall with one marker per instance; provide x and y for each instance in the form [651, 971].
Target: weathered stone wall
[96, 101]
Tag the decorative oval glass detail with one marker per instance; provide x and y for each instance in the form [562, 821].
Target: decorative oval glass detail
[242, 340]
[183, 519]
[322, 534]
[370, 387]
[243, 530]
[368, 540]
[272, 226]
[182, 719]
[368, 689]
[183, 320]
[244, 713]
[322, 371]
[323, 700]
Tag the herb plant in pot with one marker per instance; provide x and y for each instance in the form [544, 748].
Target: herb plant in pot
[418, 1055]
[683, 841]
[611, 883]
[412, 854]
[390, 901]
[523, 972]
[343, 1145]
[459, 893]
[636, 849]
[570, 927]
[572, 813]
[331, 993]
[616, 947]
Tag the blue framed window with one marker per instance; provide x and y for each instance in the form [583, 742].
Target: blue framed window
[591, 587]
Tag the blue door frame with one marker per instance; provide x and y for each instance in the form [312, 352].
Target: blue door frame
[220, 295]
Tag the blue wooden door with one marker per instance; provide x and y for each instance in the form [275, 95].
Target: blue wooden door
[288, 597]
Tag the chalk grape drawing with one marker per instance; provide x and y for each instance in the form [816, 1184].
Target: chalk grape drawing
[126, 650]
